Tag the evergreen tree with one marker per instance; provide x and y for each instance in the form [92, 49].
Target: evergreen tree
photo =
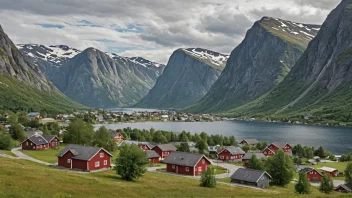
[79, 132]
[320, 152]
[184, 147]
[103, 139]
[280, 167]
[246, 148]
[326, 184]
[255, 163]
[348, 173]
[208, 178]
[201, 146]
[302, 186]
[130, 164]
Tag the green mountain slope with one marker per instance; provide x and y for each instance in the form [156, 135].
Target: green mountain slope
[321, 81]
[263, 59]
[24, 87]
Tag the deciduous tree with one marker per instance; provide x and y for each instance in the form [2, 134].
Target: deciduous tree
[255, 163]
[79, 132]
[280, 167]
[208, 178]
[302, 186]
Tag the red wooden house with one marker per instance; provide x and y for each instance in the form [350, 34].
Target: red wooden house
[344, 188]
[146, 146]
[40, 142]
[164, 150]
[153, 157]
[249, 141]
[231, 153]
[312, 174]
[117, 136]
[274, 147]
[85, 158]
[333, 172]
[186, 163]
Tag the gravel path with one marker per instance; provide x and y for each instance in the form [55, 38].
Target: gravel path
[20, 155]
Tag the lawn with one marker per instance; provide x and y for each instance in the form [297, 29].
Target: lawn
[7, 153]
[48, 155]
[340, 166]
[219, 170]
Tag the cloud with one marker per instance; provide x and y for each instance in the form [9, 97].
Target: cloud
[153, 28]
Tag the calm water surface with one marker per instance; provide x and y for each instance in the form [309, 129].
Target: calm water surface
[337, 140]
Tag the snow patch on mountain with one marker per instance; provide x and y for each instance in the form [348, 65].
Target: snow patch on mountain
[214, 58]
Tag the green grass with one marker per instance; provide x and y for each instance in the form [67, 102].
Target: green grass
[219, 170]
[340, 166]
[48, 155]
[115, 155]
[7, 153]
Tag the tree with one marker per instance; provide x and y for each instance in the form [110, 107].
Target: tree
[348, 173]
[79, 132]
[184, 147]
[280, 167]
[326, 184]
[320, 152]
[255, 163]
[5, 142]
[208, 178]
[201, 146]
[16, 131]
[103, 139]
[130, 164]
[246, 148]
[302, 186]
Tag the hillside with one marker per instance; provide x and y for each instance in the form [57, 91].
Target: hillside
[263, 59]
[24, 87]
[187, 77]
[320, 83]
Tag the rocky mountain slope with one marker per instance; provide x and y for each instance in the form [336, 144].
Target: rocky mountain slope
[321, 81]
[23, 86]
[187, 77]
[94, 79]
[266, 55]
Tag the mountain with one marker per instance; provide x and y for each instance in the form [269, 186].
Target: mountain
[321, 81]
[23, 86]
[187, 77]
[95, 79]
[269, 50]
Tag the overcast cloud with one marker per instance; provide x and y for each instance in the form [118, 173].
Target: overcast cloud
[149, 28]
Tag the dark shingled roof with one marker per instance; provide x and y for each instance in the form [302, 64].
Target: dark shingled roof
[347, 187]
[167, 147]
[152, 154]
[38, 139]
[280, 145]
[233, 150]
[81, 152]
[248, 175]
[251, 141]
[49, 137]
[248, 156]
[183, 158]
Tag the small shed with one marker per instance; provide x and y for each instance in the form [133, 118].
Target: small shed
[344, 188]
[251, 177]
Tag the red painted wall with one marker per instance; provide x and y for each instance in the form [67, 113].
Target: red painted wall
[199, 168]
[62, 161]
[97, 158]
[154, 160]
[162, 154]
[225, 155]
[55, 143]
[314, 176]
[332, 174]
[268, 152]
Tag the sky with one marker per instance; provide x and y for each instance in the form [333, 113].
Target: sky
[152, 29]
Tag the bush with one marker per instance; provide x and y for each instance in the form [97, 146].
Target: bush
[302, 186]
[5, 142]
[208, 178]
[326, 185]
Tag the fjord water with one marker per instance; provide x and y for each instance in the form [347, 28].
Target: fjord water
[337, 140]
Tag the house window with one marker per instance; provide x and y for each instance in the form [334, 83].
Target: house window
[200, 169]
[31, 144]
[97, 164]
[173, 166]
[26, 143]
[203, 161]
[101, 155]
[221, 157]
[68, 161]
[105, 162]
[187, 169]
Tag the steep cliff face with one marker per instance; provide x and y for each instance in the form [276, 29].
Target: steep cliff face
[96, 80]
[264, 58]
[187, 77]
[320, 82]
[23, 86]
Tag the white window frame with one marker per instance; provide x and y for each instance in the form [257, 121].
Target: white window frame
[187, 169]
[97, 164]
[200, 169]
[101, 155]
[105, 162]
[69, 161]
[26, 143]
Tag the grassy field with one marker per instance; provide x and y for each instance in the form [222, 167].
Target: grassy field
[7, 153]
[219, 170]
[340, 166]
[48, 155]
[21, 178]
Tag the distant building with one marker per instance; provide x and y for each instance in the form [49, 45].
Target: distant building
[164, 150]
[39, 142]
[312, 174]
[276, 146]
[248, 156]
[333, 172]
[231, 153]
[117, 136]
[33, 115]
[153, 157]
[85, 158]
[249, 141]
[344, 188]
[257, 178]
[186, 163]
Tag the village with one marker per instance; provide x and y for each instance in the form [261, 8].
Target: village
[242, 163]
